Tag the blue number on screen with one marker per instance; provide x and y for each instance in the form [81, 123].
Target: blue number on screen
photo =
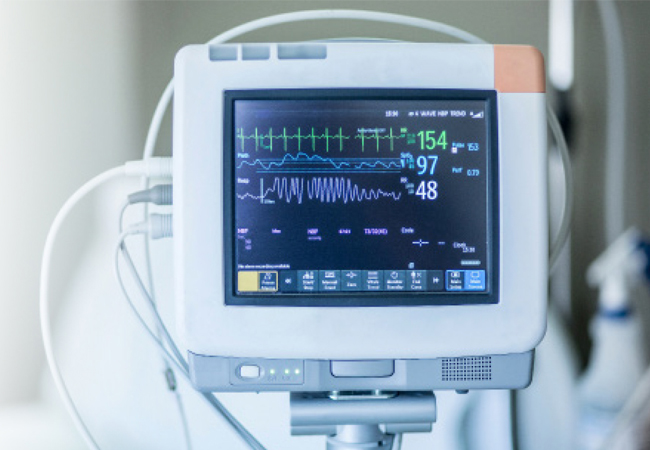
[426, 162]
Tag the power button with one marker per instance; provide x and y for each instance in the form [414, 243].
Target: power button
[249, 371]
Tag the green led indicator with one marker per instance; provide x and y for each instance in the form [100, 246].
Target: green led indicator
[286, 371]
[272, 371]
[297, 371]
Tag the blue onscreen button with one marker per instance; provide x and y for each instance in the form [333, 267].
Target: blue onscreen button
[455, 280]
[475, 280]
[416, 280]
[268, 281]
[308, 281]
[289, 281]
[330, 280]
[350, 280]
[373, 280]
[395, 280]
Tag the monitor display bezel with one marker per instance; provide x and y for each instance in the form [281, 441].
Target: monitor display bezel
[361, 299]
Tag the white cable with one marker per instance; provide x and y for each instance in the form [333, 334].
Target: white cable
[156, 120]
[158, 167]
[615, 178]
[615, 156]
[561, 44]
[615, 163]
[44, 301]
[154, 166]
[560, 239]
[125, 206]
[347, 14]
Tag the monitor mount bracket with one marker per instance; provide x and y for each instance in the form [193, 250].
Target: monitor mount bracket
[361, 419]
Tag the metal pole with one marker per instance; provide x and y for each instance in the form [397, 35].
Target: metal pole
[355, 437]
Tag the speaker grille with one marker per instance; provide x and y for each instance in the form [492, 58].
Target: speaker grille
[475, 368]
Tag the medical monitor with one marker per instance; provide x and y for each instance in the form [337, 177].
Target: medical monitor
[360, 215]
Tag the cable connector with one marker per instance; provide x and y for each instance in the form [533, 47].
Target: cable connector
[172, 385]
[150, 167]
[158, 226]
[161, 194]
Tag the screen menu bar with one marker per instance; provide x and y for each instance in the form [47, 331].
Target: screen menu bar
[329, 281]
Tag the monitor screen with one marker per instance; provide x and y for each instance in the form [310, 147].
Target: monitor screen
[360, 197]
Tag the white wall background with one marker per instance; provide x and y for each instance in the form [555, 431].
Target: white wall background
[68, 110]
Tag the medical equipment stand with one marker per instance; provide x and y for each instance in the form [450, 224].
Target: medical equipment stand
[362, 419]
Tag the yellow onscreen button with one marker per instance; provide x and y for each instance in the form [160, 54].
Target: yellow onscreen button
[248, 281]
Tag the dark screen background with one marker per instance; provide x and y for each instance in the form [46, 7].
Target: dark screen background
[335, 184]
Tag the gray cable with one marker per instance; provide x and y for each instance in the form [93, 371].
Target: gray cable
[159, 343]
[166, 366]
[232, 421]
[160, 325]
[160, 194]
[183, 416]
[514, 428]
[176, 358]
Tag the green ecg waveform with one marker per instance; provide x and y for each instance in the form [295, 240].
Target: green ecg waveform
[370, 138]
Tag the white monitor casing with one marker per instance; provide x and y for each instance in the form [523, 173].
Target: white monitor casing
[209, 327]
